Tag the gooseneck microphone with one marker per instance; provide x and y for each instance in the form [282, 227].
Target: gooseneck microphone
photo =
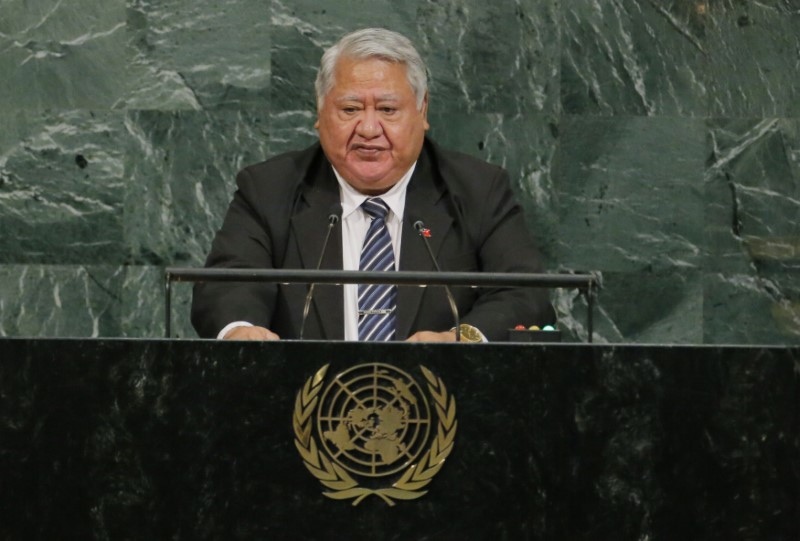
[333, 219]
[424, 233]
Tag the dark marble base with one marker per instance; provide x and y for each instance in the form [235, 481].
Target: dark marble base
[129, 439]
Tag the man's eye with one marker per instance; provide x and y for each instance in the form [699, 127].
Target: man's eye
[349, 110]
[388, 110]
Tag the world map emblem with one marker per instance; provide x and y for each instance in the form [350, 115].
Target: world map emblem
[372, 430]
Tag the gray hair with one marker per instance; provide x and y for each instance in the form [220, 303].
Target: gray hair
[373, 43]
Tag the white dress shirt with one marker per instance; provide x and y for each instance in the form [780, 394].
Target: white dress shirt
[355, 224]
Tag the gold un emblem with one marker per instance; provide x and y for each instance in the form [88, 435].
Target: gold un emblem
[375, 430]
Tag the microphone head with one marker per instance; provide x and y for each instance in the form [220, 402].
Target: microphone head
[423, 231]
[335, 213]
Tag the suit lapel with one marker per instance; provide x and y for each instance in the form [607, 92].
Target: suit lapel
[310, 225]
[423, 202]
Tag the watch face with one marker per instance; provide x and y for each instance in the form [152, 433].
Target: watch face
[469, 333]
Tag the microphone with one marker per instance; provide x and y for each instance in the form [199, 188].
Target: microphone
[333, 219]
[424, 233]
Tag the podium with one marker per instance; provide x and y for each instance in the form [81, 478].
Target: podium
[195, 439]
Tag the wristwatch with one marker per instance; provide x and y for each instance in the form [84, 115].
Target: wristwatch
[470, 334]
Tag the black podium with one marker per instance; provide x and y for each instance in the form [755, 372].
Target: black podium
[160, 439]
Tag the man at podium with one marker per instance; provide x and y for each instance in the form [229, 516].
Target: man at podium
[380, 185]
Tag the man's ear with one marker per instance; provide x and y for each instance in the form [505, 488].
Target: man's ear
[316, 123]
[424, 111]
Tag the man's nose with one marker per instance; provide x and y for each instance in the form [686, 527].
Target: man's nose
[369, 126]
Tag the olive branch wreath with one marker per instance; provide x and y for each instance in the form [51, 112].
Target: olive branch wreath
[342, 485]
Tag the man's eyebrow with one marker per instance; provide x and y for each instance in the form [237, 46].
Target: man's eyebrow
[384, 97]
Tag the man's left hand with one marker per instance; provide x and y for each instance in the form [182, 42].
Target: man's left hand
[430, 336]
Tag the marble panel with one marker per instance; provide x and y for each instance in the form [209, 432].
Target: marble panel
[59, 300]
[630, 193]
[637, 307]
[492, 57]
[181, 173]
[198, 54]
[301, 31]
[525, 146]
[761, 308]
[62, 55]
[634, 57]
[143, 305]
[753, 58]
[483, 57]
[291, 130]
[61, 187]
[572, 317]
[753, 195]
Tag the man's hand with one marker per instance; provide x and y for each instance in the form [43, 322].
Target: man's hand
[430, 336]
[250, 333]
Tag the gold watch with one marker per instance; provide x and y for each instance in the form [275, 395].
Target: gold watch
[469, 333]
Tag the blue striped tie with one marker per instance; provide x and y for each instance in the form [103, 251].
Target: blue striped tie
[376, 302]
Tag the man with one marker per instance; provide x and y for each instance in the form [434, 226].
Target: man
[374, 162]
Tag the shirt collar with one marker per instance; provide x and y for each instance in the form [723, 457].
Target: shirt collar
[395, 198]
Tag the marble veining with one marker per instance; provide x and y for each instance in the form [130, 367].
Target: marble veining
[61, 188]
[59, 300]
[198, 55]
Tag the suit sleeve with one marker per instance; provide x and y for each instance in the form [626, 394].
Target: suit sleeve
[504, 244]
[245, 242]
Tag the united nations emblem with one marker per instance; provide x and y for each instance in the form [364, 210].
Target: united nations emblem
[375, 427]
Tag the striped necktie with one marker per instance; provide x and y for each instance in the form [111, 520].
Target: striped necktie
[376, 302]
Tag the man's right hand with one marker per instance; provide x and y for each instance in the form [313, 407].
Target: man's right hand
[250, 333]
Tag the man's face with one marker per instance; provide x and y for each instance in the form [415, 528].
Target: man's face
[369, 125]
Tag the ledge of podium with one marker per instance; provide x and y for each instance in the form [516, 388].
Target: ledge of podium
[161, 439]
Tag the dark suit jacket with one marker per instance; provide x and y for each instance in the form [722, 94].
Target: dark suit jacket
[278, 219]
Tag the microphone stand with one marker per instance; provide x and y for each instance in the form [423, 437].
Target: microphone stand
[333, 219]
[425, 233]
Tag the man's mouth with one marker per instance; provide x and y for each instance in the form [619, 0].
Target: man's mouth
[367, 150]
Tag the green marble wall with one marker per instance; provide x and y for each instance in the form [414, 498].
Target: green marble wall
[654, 141]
